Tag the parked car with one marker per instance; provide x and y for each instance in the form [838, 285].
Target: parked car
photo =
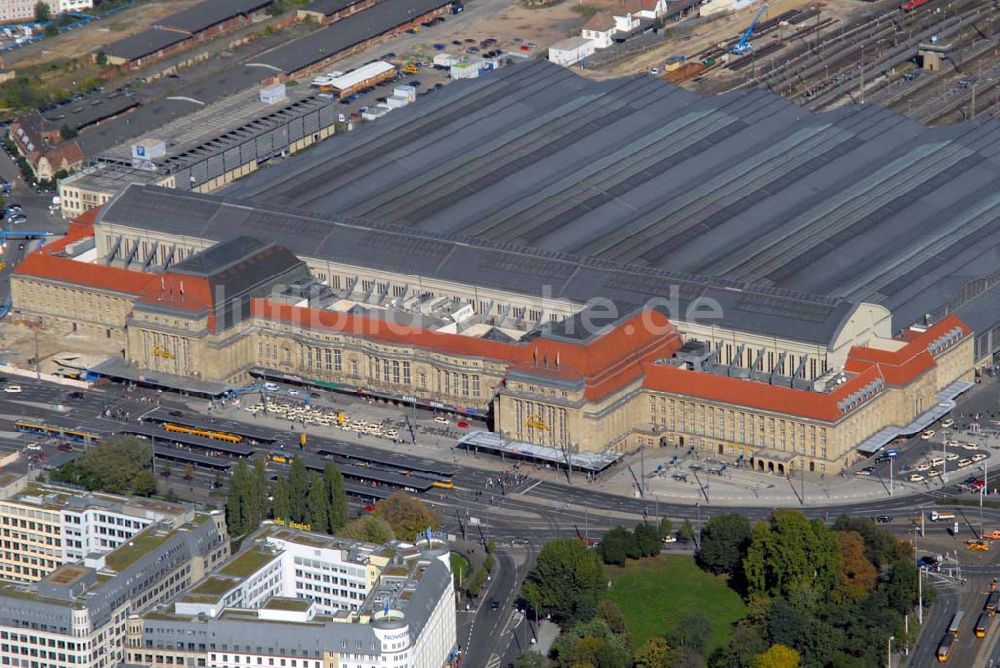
[12, 388]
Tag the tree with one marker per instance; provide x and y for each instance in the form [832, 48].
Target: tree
[407, 515]
[370, 528]
[647, 540]
[777, 656]
[66, 133]
[747, 640]
[333, 482]
[594, 644]
[666, 527]
[724, 542]
[857, 577]
[235, 505]
[51, 30]
[189, 471]
[143, 484]
[566, 582]
[791, 556]
[102, 58]
[530, 659]
[171, 496]
[298, 489]
[609, 612]
[692, 632]
[42, 12]
[317, 504]
[654, 653]
[281, 504]
[119, 465]
[614, 546]
[879, 541]
[686, 532]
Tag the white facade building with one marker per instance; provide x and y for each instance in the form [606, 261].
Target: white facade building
[571, 51]
[24, 10]
[307, 600]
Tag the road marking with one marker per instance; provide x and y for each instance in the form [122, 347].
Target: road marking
[494, 661]
[525, 491]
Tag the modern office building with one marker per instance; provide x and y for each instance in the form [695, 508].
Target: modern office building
[76, 616]
[43, 527]
[303, 600]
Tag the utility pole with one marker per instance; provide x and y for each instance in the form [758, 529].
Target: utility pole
[972, 110]
[38, 369]
[944, 448]
[920, 596]
[642, 469]
[861, 92]
[891, 460]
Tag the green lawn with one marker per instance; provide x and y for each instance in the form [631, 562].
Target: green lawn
[655, 593]
[460, 566]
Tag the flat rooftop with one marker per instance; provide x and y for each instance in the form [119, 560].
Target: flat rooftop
[858, 204]
[347, 32]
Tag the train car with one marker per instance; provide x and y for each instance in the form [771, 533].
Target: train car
[204, 433]
[56, 431]
[956, 623]
[945, 647]
[992, 602]
[279, 457]
[983, 624]
[910, 5]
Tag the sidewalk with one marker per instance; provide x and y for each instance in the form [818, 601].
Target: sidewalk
[736, 487]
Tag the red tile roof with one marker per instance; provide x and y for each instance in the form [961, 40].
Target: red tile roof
[50, 262]
[623, 355]
[604, 364]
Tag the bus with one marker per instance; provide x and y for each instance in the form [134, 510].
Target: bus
[992, 601]
[983, 624]
[956, 623]
[944, 649]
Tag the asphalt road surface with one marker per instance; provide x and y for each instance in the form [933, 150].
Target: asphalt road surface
[525, 517]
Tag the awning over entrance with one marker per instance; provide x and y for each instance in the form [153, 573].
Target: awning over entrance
[946, 403]
[117, 368]
[593, 462]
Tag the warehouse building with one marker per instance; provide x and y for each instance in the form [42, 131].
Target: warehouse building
[206, 150]
[183, 30]
[548, 252]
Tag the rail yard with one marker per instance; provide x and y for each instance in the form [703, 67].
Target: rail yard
[935, 61]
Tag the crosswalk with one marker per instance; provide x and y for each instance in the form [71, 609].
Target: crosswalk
[494, 661]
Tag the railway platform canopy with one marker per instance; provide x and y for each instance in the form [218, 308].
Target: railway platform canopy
[118, 369]
[587, 462]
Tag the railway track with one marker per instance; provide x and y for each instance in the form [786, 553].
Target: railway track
[813, 69]
[885, 58]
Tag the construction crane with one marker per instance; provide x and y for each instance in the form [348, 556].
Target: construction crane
[743, 46]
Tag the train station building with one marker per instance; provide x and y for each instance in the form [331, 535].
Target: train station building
[793, 290]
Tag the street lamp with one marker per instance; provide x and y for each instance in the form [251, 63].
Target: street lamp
[888, 658]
